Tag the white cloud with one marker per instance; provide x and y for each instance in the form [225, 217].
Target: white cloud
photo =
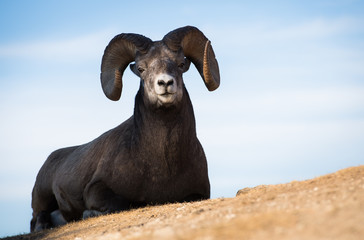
[312, 29]
[248, 34]
[283, 105]
[312, 103]
[78, 47]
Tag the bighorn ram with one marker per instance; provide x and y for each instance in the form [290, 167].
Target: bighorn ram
[154, 157]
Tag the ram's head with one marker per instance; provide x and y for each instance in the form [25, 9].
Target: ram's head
[159, 64]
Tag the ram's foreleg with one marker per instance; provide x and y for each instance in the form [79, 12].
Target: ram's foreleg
[100, 200]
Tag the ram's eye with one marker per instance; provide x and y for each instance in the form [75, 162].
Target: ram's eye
[141, 70]
[181, 65]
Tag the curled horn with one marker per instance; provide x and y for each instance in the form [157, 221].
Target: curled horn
[197, 48]
[121, 51]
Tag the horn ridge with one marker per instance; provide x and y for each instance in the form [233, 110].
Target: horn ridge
[197, 48]
[120, 51]
[123, 48]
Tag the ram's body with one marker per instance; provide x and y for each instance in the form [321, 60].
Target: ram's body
[154, 157]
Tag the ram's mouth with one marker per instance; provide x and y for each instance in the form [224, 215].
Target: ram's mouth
[166, 98]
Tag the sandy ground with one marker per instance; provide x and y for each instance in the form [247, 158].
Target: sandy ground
[327, 207]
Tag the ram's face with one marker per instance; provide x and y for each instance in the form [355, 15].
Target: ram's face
[161, 73]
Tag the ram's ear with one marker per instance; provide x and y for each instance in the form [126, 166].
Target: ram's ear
[187, 65]
[121, 51]
[134, 69]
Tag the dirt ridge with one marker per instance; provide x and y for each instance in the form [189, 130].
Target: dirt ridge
[326, 207]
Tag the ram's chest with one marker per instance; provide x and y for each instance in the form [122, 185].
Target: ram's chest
[161, 172]
[160, 182]
[161, 188]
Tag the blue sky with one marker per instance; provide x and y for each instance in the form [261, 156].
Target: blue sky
[290, 106]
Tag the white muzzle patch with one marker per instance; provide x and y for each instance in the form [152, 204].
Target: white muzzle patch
[165, 84]
[165, 87]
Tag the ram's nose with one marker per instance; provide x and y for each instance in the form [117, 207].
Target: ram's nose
[165, 83]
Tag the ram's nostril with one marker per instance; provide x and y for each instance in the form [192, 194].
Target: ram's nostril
[170, 82]
[161, 83]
